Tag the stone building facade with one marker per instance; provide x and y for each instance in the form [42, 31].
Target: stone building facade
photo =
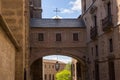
[49, 70]
[102, 22]
[14, 28]
[35, 9]
[101, 18]
[56, 37]
[7, 59]
[98, 50]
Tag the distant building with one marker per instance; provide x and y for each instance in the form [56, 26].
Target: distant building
[49, 70]
[102, 20]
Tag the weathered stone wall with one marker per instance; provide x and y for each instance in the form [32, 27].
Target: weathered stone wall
[50, 37]
[7, 57]
[67, 46]
[102, 39]
[101, 13]
[50, 46]
[35, 8]
[26, 35]
[12, 11]
[36, 70]
[15, 13]
[118, 10]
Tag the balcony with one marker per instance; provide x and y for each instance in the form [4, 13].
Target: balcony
[107, 23]
[93, 33]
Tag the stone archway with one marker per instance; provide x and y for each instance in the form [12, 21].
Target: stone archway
[37, 54]
[44, 41]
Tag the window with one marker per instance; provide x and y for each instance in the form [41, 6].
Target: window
[95, 20]
[111, 45]
[49, 76]
[53, 66]
[53, 76]
[96, 50]
[111, 70]
[92, 51]
[109, 9]
[40, 37]
[58, 37]
[75, 37]
[45, 77]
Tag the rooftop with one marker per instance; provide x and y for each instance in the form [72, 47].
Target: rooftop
[52, 61]
[56, 23]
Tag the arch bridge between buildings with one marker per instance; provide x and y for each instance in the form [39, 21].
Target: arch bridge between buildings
[44, 41]
[36, 66]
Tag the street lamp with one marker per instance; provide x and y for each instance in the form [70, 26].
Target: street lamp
[57, 66]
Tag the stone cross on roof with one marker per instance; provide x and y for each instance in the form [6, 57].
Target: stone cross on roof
[56, 10]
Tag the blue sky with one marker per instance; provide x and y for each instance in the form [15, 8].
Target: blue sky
[68, 8]
[64, 59]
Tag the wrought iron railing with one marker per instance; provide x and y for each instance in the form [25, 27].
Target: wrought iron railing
[107, 23]
[93, 33]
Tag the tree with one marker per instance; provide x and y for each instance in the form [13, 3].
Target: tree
[68, 66]
[63, 75]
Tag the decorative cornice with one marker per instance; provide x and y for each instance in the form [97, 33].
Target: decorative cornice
[108, 59]
[8, 32]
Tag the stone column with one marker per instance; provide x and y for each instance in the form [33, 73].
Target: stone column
[78, 71]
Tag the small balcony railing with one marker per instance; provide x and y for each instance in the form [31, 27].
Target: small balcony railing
[93, 33]
[107, 23]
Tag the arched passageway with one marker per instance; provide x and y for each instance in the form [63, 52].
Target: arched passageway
[69, 40]
[78, 68]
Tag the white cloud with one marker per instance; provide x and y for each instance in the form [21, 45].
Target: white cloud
[64, 59]
[57, 17]
[76, 6]
[67, 11]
